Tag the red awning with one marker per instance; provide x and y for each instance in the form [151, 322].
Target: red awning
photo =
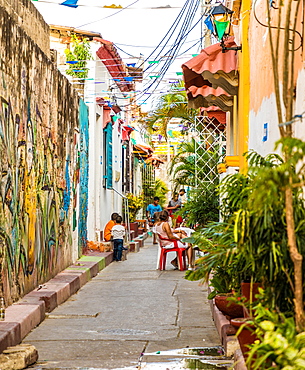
[106, 116]
[210, 71]
[154, 160]
[206, 96]
[106, 110]
[126, 131]
[216, 113]
[114, 64]
[144, 148]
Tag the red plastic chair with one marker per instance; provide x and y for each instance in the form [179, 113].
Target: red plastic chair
[180, 252]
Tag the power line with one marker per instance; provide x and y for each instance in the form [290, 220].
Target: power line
[111, 15]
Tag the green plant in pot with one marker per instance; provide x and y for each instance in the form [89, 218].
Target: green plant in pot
[278, 346]
[223, 292]
[255, 203]
[220, 266]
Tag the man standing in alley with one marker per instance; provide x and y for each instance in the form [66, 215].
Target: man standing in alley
[150, 211]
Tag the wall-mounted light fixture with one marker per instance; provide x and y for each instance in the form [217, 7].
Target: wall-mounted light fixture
[221, 19]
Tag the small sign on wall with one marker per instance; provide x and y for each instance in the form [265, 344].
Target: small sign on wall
[265, 132]
[117, 176]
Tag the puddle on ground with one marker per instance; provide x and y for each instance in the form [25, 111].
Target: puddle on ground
[204, 358]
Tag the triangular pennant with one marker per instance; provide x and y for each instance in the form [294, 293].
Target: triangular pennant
[128, 78]
[209, 23]
[221, 28]
[153, 61]
[70, 3]
[72, 61]
[179, 73]
[131, 65]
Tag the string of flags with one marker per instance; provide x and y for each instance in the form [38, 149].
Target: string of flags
[70, 3]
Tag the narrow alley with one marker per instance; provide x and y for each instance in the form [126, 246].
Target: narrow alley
[129, 308]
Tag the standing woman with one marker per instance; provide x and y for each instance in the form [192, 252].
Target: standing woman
[163, 228]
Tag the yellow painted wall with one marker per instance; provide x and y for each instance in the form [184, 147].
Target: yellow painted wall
[244, 85]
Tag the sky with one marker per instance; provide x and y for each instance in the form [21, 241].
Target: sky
[136, 30]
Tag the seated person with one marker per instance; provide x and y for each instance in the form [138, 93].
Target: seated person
[109, 226]
[163, 228]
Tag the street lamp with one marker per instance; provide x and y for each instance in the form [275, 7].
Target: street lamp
[221, 18]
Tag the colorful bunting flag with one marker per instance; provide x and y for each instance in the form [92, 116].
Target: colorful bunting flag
[208, 22]
[221, 28]
[128, 78]
[131, 65]
[70, 3]
[153, 61]
[70, 61]
[194, 55]
[133, 141]
[179, 73]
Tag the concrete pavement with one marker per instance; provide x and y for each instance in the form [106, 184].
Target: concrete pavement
[129, 308]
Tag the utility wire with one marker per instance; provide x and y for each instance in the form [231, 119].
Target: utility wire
[174, 50]
[111, 15]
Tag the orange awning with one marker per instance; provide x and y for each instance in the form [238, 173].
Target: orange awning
[212, 72]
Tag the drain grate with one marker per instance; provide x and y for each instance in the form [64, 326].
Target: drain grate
[126, 332]
[71, 316]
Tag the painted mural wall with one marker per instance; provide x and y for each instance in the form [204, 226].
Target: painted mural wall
[43, 147]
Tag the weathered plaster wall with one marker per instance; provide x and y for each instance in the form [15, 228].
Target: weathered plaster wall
[24, 13]
[39, 163]
[262, 139]
[262, 96]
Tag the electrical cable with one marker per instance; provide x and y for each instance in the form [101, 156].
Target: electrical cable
[186, 16]
[111, 15]
[145, 46]
[178, 46]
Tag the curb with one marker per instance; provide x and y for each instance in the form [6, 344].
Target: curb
[227, 333]
[24, 315]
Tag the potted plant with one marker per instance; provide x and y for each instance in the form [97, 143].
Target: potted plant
[135, 203]
[220, 267]
[223, 292]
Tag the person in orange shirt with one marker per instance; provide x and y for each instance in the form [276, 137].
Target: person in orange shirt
[109, 226]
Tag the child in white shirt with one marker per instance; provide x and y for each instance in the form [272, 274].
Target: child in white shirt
[118, 233]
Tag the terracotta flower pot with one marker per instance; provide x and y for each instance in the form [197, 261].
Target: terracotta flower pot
[246, 290]
[246, 336]
[228, 307]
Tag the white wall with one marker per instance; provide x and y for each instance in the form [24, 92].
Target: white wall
[299, 126]
[266, 114]
[102, 202]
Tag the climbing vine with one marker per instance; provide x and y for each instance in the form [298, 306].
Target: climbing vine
[78, 57]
